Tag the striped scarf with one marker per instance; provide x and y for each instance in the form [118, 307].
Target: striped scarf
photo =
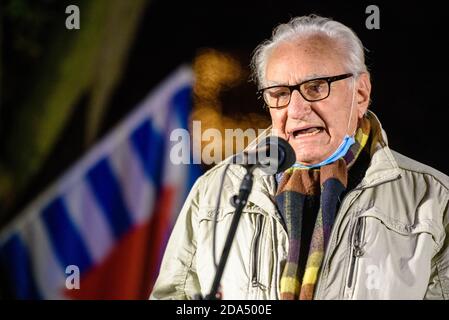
[306, 198]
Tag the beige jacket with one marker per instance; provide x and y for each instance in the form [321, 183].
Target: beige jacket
[388, 241]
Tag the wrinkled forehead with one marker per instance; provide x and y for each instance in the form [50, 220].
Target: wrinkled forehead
[314, 44]
[304, 58]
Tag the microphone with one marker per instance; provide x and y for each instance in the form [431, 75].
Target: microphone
[272, 155]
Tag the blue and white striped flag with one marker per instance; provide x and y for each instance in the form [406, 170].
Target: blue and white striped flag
[110, 215]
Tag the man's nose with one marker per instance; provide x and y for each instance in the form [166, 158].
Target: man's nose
[298, 107]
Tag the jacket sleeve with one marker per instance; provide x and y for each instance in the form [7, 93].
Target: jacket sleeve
[177, 276]
[439, 281]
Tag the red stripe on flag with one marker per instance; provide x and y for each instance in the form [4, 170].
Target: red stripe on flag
[130, 269]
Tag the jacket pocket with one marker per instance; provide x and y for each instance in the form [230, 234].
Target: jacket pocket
[236, 282]
[255, 254]
[389, 259]
[356, 251]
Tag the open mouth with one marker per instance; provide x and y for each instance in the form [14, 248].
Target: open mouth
[311, 131]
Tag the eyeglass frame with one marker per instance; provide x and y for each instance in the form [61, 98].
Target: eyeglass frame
[297, 86]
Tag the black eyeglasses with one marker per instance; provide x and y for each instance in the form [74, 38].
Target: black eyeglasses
[311, 90]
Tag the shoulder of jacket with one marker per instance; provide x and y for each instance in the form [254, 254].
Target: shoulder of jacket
[408, 164]
[214, 174]
[214, 171]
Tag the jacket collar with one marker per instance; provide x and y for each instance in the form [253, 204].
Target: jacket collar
[383, 166]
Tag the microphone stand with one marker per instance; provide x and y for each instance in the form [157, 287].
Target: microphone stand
[239, 202]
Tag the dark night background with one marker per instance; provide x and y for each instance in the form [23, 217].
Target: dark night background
[407, 58]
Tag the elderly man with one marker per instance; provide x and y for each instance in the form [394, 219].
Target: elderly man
[351, 219]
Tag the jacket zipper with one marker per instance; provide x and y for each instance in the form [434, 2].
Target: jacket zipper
[357, 249]
[254, 276]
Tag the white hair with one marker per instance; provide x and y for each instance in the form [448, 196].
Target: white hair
[307, 26]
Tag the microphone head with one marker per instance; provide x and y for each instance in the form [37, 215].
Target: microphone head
[288, 154]
[275, 155]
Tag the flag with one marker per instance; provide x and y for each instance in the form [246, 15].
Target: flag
[99, 232]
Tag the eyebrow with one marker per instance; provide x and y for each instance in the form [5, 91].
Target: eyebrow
[310, 77]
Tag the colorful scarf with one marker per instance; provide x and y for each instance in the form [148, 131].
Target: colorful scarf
[306, 198]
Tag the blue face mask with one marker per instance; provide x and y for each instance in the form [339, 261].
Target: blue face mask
[342, 149]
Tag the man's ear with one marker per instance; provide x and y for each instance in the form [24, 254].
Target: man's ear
[363, 93]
